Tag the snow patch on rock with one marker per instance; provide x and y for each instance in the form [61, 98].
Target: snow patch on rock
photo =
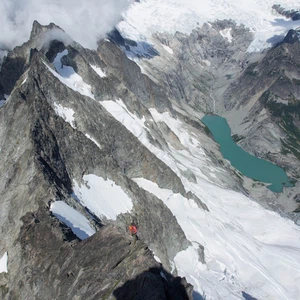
[24, 81]
[98, 71]
[72, 218]
[3, 263]
[119, 110]
[102, 197]
[93, 140]
[66, 113]
[69, 77]
[168, 49]
[226, 34]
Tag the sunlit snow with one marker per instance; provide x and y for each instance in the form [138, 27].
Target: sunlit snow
[102, 197]
[93, 140]
[98, 71]
[3, 263]
[167, 48]
[157, 259]
[226, 33]
[247, 248]
[72, 218]
[149, 16]
[69, 77]
[138, 128]
[121, 113]
[66, 113]
[24, 81]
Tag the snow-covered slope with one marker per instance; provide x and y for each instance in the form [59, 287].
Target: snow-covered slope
[3, 263]
[72, 218]
[150, 16]
[102, 197]
[247, 248]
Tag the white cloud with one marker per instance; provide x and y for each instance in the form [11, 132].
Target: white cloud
[85, 21]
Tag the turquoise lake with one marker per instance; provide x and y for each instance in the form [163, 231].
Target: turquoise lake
[249, 165]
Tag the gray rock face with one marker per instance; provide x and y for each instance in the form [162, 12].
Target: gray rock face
[42, 155]
[202, 64]
[17, 61]
[293, 36]
[147, 92]
[57, 264]
[272, 84]
[293, 14]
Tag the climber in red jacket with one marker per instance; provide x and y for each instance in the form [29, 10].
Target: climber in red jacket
[133, 230]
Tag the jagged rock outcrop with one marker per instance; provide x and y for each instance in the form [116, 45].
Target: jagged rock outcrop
[57, 265]
[41, 156]
[17, 61]
[293, 14]
[293, 36]
[74, 113]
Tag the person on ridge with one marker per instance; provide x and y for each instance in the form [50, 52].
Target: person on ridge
[133, 230]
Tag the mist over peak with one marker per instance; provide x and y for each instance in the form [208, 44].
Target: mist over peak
[84, 21]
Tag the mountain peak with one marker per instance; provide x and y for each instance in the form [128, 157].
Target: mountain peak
[293, 36]
[38, 28]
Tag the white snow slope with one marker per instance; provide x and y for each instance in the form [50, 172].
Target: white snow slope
[98, 71]
[150, 16]
[247, 248]
[72, 218]
[66, 113]
[102, 197]
[3, 263]
[69, 77]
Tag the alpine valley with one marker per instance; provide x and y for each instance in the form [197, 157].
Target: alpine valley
[94, 140]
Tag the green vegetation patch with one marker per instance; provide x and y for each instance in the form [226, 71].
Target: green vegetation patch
[286, 114]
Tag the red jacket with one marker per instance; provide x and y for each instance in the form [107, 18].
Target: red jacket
[132, 229]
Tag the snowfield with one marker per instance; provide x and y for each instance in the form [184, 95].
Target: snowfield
[3, 263]
[98, 71]
[66, 113]
[69, 77]
[72, 218]
[247, 248]
[102, 197]
[150, 16]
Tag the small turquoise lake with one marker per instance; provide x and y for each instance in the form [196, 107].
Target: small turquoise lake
[249, 165]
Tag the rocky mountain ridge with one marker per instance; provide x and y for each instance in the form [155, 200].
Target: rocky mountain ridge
[37, 150]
